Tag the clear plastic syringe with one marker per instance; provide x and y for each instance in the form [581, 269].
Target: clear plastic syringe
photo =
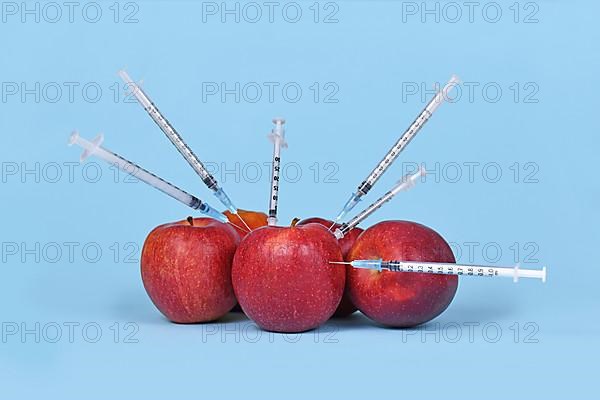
[277, 137]
[448, 269]
[407, 182]
[398, 147]
[95, 148]
[178, 142]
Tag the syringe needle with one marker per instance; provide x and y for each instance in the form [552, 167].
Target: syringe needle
[239, 227]
[277, 137]
[243, 222]
[176, 139]
[407, 182]
[397, 148]
[332, 225]
[442, 268]
[95, 148]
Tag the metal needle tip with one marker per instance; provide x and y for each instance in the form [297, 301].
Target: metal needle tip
[339, 262]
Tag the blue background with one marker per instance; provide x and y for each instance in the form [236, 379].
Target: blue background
[369, 54]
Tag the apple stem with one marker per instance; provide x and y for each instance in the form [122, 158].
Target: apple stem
[190, 221]
[294, 222]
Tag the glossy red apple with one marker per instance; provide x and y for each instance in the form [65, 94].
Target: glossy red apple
[346, 307]
[401, 299]
[186, 269]
[253, 219]
[283, 280]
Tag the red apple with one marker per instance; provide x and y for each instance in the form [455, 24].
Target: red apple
[401, 299]
[253, 219]
[283, 280]
[346, 307]
[186, 269]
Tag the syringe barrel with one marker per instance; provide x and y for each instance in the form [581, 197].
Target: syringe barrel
[277, 136]
[182, 147]
[149, 178]
[407, 182]
[364, 214]
[406, 137]
[274, 194]
[94, 148]
[169, 131]
[438, 268]
[462, 270]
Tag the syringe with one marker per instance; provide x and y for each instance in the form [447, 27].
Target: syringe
[95, 148]
[277, 137]
[407, 182]
[179, 143]
[448, 269]
[398, 147]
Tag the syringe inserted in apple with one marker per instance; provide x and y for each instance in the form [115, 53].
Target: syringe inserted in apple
[94, 147]
[176, 139]
[406, 183]
[392, 154]
[277, 137]
[448, 269]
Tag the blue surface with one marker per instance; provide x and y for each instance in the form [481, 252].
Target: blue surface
[365, 65]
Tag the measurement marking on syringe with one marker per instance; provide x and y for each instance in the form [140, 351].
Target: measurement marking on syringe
[277, 136]
[447, 269]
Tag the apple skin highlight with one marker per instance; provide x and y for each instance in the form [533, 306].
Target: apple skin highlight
[186, 269]
[283, 280]
[401, 299]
